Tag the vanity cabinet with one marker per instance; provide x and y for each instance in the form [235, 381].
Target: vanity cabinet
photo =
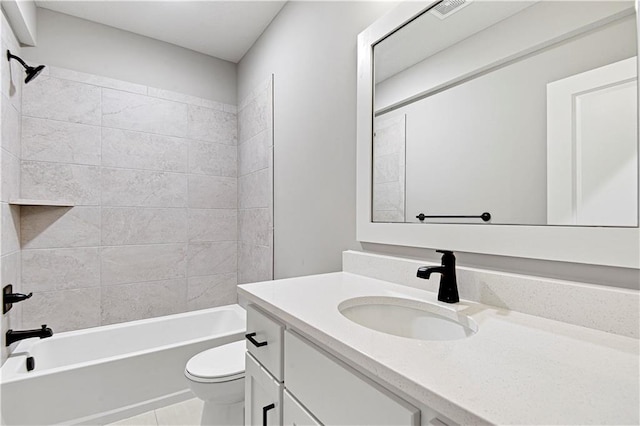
[264, 340]
[291, 381]
[263, 395]
[295, 414]
[263, 369]
[335, 393]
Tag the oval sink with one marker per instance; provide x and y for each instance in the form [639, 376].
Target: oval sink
[408, 318]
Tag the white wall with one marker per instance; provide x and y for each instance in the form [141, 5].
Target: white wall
[68, 42]
[310, 47]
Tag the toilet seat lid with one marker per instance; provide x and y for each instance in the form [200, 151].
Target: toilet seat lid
[221, 364]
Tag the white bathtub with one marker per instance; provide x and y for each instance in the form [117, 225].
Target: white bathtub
[103, 374]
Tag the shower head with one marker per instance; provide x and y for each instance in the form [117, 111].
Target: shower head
[32, 72]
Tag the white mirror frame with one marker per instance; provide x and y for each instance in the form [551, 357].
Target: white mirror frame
[611, 246]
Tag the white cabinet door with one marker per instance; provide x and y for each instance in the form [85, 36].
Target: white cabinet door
[294, 414]
[338, 395]
[264, 340]
[262, 396]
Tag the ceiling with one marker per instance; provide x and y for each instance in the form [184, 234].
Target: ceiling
[224, 29]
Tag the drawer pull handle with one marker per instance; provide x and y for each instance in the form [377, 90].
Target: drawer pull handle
[254, 341]
[265, 409]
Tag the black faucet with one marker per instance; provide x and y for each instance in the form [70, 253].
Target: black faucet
[448, 291]
[14, 336]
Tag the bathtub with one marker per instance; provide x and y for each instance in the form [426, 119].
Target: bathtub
[104, 374]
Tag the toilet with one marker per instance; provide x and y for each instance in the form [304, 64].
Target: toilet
[217, 377]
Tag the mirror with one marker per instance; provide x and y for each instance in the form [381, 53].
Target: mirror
[567, 240]
[508, 113]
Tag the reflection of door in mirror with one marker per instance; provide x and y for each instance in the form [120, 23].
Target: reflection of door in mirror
[472, 89]
[592, 174]
[388, 170]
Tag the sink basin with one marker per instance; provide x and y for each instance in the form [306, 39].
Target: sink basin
[408, 318]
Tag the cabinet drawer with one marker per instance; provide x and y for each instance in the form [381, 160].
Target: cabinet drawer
[264, 340]
[262, 396]
[337, 394]
[294, 414]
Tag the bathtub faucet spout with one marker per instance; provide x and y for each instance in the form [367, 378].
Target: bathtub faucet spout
[14, 336]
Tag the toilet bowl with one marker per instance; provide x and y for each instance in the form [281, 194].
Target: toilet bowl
[216, 376]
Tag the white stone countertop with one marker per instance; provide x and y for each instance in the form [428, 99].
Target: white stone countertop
[517, 369]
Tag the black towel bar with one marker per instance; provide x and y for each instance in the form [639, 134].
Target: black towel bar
[484, 216]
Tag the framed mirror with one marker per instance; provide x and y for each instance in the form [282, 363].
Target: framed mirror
[502, 127]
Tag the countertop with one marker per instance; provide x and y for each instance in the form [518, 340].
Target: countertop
[517, 369]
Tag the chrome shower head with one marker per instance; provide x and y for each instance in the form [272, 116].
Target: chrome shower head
[32, 72]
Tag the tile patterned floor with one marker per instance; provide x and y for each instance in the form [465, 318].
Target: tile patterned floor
[186, 413]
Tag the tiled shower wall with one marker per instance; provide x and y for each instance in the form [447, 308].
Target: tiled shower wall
[10, 102]
[255, 185]
[389, 140]
[153, 175]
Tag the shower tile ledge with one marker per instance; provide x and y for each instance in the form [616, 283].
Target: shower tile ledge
[517, 369]
[32, 202]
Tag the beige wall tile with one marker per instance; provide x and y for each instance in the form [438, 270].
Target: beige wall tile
[57, 227]
[212, 159]
[256, 261]
[136, 150]
[128, 225]
[254, 190]
[212, 290]
[60, 142]
[9, 176]
[212, 258]
[255, 154]
[146, 211]
[255, 117]
[132, 264]
[213, 225]
[141, 188]
[255, 227]
[187, 99]
[11, 128]
[11, 275]
[131, 111]
[96, 80]
[131, 302]
[212, 125]
[60, 269]
[64, 100]
[10, 231]
[10, 271]
[212, 192]
[57, 181]
[63, 310]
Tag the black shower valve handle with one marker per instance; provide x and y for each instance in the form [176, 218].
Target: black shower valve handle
[9, 298]
[16, 297]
